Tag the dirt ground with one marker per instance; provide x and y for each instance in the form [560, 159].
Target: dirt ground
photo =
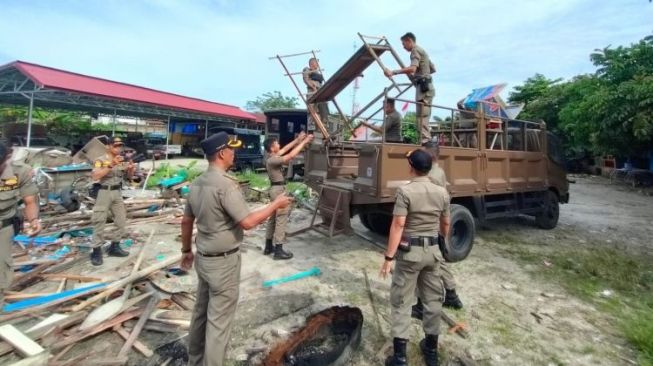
[513, 316]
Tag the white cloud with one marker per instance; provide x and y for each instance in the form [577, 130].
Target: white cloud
[218, 49]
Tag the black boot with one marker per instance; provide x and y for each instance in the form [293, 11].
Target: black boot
[451, 300]
[429, 347]
[418, 310]
[279, 253]
[115, 250]
[399, 357]
[269, 248]
[96, 256]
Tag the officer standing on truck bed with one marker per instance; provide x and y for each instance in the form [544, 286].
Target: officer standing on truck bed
[15, 183]
[421, 211]
[419, 71]
[109, 171]
[277, 157]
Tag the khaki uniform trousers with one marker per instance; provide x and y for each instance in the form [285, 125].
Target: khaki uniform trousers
[423, 111]
[276, 226]
[108, 201]
[418, 269]
[217, 296]
[6, 261]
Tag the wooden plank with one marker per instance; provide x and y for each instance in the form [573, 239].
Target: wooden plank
[127, 280]
[52, 319]
[139, 326]
[98, 329]
[75, 277]
[23, 344]
[138, 345]
[32, 276]
[39, 333]
[105, 361]
[36, 360]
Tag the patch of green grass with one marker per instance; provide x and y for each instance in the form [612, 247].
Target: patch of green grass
[256, 180]
[166, 170]
[588, 271]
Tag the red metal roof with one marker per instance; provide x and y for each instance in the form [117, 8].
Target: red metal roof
[51, 78]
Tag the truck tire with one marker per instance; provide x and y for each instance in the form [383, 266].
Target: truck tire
[548, 218]
[461, 233]
[365, 220]
[379, 222]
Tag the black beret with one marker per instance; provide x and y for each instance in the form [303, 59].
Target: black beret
[420, 160]
[219, 141]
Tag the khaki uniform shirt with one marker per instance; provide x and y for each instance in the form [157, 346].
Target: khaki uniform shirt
[310, 83]
[419, 58]
[218, 205]
[422, 202]
[114, 177]
[437, 176]
[15, 182]
[392, 127]
[274, 167]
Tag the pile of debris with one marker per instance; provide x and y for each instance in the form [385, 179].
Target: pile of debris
[57, 300]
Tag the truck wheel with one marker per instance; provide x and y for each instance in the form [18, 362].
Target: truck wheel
[379, 223]
[548, 218]
[365, 220]
[461, 234]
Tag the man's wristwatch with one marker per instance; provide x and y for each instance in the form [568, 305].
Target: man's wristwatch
[188, 250]
[389, 259]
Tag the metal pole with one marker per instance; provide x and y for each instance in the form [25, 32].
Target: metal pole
[113, 130]
[29, 118]
[206, 129]
[167, 137]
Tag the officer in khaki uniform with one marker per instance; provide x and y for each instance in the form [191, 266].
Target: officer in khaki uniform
[216, 204]
[391, 124]
[109, 171]
[421, 211]
[15, 183]
[419, 71]
[277, 157]
[314, 79]
[451, 299]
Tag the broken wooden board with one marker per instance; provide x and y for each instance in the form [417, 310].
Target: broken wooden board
[98, 329]
[151, 306]
[52, 319]
[22, 343]
[36, 360]
[138, 345]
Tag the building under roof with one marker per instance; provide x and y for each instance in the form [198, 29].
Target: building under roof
[23, 83]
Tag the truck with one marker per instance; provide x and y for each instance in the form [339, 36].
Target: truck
[496, 166]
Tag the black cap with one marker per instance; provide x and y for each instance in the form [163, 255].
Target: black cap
[219, 141]
[115, 141]
[420, 160]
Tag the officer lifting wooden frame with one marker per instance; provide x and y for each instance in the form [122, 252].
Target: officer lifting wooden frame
[370, 52]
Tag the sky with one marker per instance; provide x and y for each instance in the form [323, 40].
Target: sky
[219, 50]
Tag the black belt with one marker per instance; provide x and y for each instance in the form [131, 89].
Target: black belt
[223, 254]
[422, 241]
[7, 222]
[278, 183]
[115, 187]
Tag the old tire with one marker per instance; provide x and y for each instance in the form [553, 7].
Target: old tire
[461, 233]
[548, 218]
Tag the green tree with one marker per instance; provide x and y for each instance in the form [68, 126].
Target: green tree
[609, 111]
[409, 127]
[534, 87]
[271, 100]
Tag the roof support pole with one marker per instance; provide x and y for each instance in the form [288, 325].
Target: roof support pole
[206, 129]
[167, 137]
[29, 119]
[113, 129]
